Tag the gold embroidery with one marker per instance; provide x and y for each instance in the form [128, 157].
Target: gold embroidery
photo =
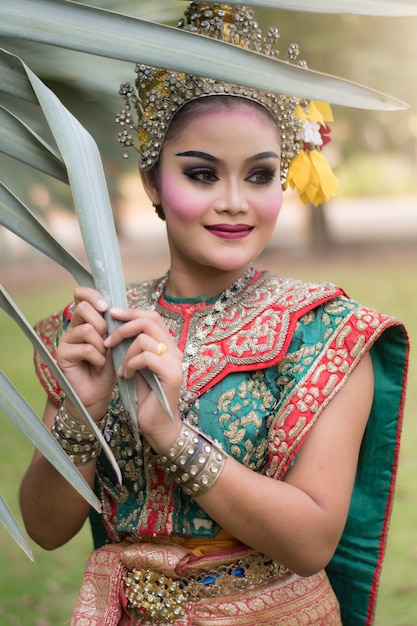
[331, 384]
[307, 390]
[294, 432]
[358, 347]
[253, 330]
[49, 329]
[242, 411]
[337, 361]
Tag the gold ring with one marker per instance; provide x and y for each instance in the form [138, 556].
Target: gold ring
[161, 349]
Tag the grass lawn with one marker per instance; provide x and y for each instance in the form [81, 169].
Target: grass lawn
[43, 594]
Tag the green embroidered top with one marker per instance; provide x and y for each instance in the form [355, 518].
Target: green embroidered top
[278, 355]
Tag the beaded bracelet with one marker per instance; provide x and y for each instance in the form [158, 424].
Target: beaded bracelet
[75, 438]
[194, 460]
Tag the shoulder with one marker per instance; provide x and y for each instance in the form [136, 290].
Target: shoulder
[294, 294]
[327, 302]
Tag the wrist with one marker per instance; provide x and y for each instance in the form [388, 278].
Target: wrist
[75, 437]
[97, 413]
[193, 460]
[162, 440]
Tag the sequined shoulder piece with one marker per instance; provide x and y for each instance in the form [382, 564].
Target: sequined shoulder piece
[139, 293]
[50, 329]
[253, 332]
[311, 375]
[256, 329]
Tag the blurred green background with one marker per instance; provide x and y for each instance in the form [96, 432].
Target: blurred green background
[374, 156]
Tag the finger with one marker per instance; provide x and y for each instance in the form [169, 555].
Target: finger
[85, 314]
[139, 354]
[92, 296]
[73, 354]
[154, 355]
[126, 315]
[138, 322]
[85, 334]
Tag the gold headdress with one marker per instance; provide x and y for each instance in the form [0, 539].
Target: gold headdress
[161, 93]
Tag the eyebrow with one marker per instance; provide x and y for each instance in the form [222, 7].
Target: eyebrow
[209, 157]
[265, 155]
[196, 153]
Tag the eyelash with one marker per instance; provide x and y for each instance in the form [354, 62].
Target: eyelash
[200, 174]
[208, 176]
[267, 173]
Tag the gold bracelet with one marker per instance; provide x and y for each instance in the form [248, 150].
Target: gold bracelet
[194, 460]
[75, 437]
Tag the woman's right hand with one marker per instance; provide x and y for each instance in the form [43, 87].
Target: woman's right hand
[82, 356]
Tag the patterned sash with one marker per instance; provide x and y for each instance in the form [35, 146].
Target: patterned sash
[284, 598]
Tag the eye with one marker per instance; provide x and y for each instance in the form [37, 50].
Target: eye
[203, 175]
[261, 175]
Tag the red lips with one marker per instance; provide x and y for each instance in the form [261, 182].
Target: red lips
[230, 231]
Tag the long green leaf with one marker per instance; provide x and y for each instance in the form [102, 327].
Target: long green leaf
[67, 65]
[9, 522]
[20, 142]
[9, 306]
[89, 189]
[383, 8]
[13, 79]
[18, 218]
[104, 33]
[22, 415]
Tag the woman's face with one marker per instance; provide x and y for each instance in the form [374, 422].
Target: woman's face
[218, 182]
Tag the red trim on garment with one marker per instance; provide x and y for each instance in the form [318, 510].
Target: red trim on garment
[249, 360]
[388, 509]
[325, 379]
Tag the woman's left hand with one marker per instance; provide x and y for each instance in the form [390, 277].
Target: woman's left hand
[152, 347]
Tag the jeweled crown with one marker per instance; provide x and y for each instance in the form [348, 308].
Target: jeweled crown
[160, 93]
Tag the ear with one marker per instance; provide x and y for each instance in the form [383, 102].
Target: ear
[150, 184]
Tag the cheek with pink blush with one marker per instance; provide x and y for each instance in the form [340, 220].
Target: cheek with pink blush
[272, 204]
[178, 200]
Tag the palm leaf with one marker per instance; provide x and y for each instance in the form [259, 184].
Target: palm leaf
[89, 189]
[13, 79]
[9, 306]
[20, 142]
[104, 33]
[9, 522]
[387, 8]
[21, 414]
[16, 217]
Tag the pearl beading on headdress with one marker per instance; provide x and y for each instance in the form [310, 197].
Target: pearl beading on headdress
[161, 93]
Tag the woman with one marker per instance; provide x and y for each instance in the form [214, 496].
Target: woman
[286, 397]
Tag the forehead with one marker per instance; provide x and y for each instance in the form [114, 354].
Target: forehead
[233, 115]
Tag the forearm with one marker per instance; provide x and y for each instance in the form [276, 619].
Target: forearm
[52, 510]
[272, 517]
[299, 520]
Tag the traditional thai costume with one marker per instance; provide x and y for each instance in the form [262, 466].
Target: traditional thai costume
[258, 378]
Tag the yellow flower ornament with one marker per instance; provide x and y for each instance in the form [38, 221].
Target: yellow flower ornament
[309, 172]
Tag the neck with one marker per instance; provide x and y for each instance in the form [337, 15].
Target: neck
[183, 284]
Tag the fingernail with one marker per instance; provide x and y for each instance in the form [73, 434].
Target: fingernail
[116, 311]
[120, 371]
[101, 304]
[107, 340]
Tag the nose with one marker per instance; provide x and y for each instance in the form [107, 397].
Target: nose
[232, 198]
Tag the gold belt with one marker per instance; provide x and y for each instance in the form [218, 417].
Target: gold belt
[162, 599]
